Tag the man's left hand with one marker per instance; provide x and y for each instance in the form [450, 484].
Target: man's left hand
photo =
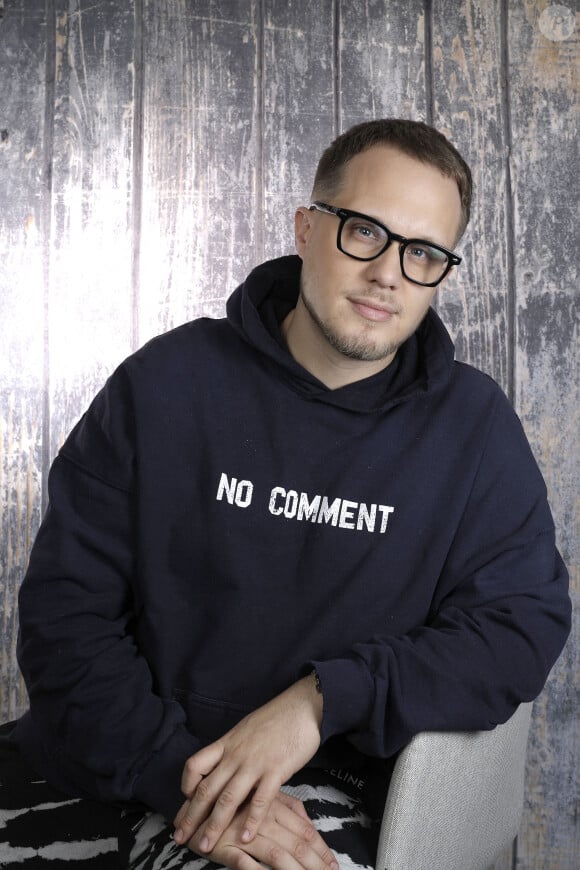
[255, 758]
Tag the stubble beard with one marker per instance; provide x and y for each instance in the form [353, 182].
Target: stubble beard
[352, 347]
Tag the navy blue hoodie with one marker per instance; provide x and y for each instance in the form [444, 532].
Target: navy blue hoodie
[220, 522]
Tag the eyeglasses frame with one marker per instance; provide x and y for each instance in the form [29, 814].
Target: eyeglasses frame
[344, 213]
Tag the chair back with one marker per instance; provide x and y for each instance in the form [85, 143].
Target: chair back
[455, 799]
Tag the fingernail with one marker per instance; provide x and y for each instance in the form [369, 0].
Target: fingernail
[246, 837]
[334, 866]
[178, 835]
[204, 845]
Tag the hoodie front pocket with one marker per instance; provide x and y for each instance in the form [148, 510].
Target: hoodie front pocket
[209, 718]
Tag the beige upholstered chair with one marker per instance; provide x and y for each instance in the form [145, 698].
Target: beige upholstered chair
[455, 799]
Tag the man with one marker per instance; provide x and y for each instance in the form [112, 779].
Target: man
[280, 544]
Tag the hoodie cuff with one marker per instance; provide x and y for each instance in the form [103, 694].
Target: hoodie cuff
[159, 784]
[347, 691]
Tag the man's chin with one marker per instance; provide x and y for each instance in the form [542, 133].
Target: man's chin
[362, 348]
[362, 351]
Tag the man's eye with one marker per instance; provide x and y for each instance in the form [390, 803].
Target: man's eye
[365, 232]
[425, 253]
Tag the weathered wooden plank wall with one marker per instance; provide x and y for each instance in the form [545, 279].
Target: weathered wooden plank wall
[544, 167]
[22, 315]
[151, 153]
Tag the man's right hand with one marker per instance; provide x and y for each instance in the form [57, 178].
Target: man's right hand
[287, 840]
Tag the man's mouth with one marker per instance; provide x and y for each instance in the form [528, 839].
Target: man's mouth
[372, 309]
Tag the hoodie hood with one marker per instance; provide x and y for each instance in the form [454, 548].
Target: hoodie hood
[258, 306]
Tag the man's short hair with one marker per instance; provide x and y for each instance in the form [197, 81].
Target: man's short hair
[413, 138]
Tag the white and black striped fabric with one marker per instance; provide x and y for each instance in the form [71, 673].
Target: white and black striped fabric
[43, 829]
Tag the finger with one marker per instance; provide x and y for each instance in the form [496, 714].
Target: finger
[264, 851]
[209, 790]
[205, 794]
[279, 847]
[294, 804]
[302, 827]
[181, 813]
[234, 857]
[216, 806]
[268, 789]
[199, 765]
[231, 855]
[258, 855]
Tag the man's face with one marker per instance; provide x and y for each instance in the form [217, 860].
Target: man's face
[364, 310]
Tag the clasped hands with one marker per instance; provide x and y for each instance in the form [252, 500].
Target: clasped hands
[235, 813]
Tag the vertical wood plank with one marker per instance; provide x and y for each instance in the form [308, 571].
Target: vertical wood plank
[467, 82]
[22, 192]
[382, 61]
[91, 231]
[298, 110]
[199, 160]
[544, 46]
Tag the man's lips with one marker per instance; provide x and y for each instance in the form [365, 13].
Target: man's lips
[371, 309]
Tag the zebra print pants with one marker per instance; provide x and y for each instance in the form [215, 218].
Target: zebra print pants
[42, 828]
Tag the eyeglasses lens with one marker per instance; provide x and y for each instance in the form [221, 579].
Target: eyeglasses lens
[365, 239]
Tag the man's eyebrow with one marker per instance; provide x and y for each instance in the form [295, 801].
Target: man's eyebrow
[383, 223]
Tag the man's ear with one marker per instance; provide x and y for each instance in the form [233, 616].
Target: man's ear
[302, 228]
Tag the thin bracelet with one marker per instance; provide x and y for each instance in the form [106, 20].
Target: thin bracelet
[317, 685]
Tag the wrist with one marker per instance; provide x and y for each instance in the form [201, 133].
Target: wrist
[315, 696]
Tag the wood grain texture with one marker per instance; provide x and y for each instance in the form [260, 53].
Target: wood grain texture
[90, 245]
[298, 110]
[382, 61]
[22, 193]
[200, 139]
[467, 79]
[544, 111]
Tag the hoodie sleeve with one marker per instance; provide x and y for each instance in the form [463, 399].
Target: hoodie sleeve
[499, 620]
[96, 725]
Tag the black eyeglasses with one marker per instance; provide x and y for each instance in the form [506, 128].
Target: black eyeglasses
[363, 238]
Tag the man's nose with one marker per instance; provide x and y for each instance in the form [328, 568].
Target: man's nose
[386, 269]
